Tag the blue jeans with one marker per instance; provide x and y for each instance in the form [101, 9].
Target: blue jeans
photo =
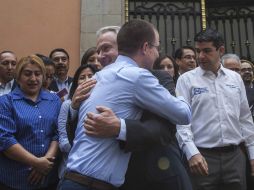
[67, 184]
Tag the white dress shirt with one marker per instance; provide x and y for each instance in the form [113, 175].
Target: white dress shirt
[6, 88]
[220, 111]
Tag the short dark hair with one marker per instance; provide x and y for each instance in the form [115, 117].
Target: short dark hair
[179, 51]
[46, 60]
[133, 35]
[59, 50]
[88, 54]
[76, 77]
[210, 35]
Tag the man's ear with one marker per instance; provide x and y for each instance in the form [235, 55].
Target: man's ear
[145, 48]
[221, 50]
[177, 61]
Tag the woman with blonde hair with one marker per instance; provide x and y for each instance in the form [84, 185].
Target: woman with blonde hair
[28, 125]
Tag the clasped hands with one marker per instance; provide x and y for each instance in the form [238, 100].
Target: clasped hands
[40, 168]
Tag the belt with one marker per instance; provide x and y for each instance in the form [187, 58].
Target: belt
[89, 181]
[225, 149]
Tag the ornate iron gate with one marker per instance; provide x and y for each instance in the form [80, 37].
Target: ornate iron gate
[178, 21]
[235, 20]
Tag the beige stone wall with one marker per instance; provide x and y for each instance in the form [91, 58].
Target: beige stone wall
[96, 14]
[39, 26]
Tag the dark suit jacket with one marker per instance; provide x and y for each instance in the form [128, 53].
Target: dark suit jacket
[156, 161]
[53, 86]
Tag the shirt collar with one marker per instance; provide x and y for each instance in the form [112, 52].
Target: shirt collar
[7, 85]
[17, 94]
[203, 72]
[122, 58]
[59, 81]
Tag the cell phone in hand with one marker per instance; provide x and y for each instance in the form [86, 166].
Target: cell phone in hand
[62, 93]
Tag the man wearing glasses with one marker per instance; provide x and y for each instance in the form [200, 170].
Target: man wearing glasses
[185, 58]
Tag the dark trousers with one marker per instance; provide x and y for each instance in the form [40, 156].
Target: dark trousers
[71, 185]
[4, 187]
[226, 171]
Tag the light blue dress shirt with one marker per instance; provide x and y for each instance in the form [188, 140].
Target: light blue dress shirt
[64, 144]
[127, 90]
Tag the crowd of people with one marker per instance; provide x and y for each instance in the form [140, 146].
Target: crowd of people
[130, 118]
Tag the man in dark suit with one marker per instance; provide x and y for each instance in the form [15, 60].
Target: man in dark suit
[62, 81]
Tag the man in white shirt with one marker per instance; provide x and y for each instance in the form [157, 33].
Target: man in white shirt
[221, 119]
[8, 61]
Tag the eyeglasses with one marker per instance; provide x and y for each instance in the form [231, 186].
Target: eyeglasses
[246, 70]
[158, 47]
[189, 57]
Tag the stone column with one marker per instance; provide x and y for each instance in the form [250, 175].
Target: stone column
[96, 14]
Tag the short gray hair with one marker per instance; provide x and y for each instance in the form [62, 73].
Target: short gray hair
[230, 56]
[105, 29]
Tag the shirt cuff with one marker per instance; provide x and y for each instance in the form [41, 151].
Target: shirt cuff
[190, 150]
[8, 143]
[74, 113]
[251, 152]
[122, 134]
[65, 146]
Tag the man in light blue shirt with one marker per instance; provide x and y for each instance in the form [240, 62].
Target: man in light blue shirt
[127, 87]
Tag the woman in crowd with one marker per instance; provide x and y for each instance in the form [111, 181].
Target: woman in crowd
[28, 130]
[90, 58]
[78, 92]
[168, 64]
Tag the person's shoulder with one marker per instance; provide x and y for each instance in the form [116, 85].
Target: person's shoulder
[232, 74]
[160, 73]
[49, 95]
[5, 97]
[134, 72]
[6, 100]
[195, 71]
[189, 75]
